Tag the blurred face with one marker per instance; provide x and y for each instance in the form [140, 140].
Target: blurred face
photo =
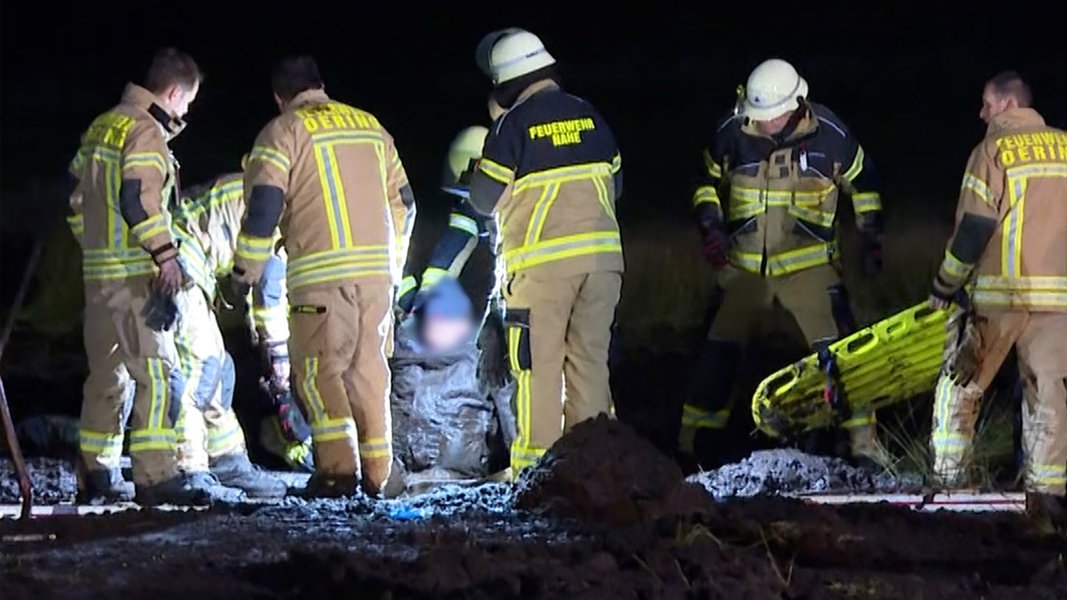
[773, 126]
[441, 334]
[994, 104]
[178, 99]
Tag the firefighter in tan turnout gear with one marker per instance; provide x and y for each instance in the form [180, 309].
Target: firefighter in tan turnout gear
[332, 175]
[1009, 249]
[125, 179]
[551, 172]
[211, 442]
[767, 211]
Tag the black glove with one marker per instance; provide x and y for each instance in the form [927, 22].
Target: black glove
[160, 312]
[872, 256]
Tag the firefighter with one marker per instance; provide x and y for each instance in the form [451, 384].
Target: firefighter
[551, 174]
[332, 176]
[767, 213]
[1009, 248]
[125, 178]
[211, 443]
[465, 225]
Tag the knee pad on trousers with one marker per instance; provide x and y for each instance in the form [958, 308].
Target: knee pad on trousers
[841, 309]
[176, 383]
[227, 381]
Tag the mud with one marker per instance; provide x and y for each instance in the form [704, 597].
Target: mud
[626, 533]
[788, 471]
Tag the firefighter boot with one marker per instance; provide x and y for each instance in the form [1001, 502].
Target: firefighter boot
[176, 490]
[105, 486]
[236, 471]
[1048, 512]
[331, 486]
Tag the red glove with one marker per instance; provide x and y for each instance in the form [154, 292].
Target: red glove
[714, 247]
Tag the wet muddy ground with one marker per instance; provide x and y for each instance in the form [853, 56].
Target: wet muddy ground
[604, 515]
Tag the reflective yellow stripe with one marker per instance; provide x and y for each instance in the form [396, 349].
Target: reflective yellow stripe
[152, 439]
[108, 264]
[375, 447]
[787, 262]
[406, 285]
[463, 223]
[954, 267]
[76, 224]
[706, 195]
[432, 276]
[522, 454]
[749, 202]
[495, 171]
[254, 249]
[334, 430]
[698, 418]
[145, 159]
[225, 439]
[311, 393]
[562, 175]
[332, 265]
[150, 227]
[866, 202]
[270, 156]
[713, 168]
[857, 165]
[616, 163]
[599, 242]
[101, 443]
[1046, 475]
[540, 213]
[978, 187]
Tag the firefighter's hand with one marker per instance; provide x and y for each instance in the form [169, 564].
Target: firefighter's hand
[714, 241]
[938, 302]
[170, 277]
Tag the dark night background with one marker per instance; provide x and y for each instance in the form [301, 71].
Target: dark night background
[907, 80]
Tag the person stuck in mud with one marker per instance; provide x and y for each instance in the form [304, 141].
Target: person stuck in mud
[767, 214]
[1009, 251]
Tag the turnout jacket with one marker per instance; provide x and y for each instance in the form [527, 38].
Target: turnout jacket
[124, 178]
[777, 196]
[551, 173]
[331, 175]
[1010, 238]
[207, 222]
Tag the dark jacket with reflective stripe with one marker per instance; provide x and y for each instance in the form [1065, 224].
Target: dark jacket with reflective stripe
[551, 172]
[777, 197]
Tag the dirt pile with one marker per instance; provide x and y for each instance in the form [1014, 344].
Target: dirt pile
[53, 481]
[603, 472]
[789, 471]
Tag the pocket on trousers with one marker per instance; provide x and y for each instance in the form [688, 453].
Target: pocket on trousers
[517, 321]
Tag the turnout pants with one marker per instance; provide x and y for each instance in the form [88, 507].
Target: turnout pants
[340, 341]
[818, 302]
[208, 426]
[559, 330]
[116, 334]
[1040, 342]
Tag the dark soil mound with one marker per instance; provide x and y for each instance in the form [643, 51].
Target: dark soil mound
[603, 472]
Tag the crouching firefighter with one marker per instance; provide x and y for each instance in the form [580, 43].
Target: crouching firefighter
[466, 227]
[125, 179]
[551, 174]
[211, 443]
[767, 213]
[330, 174]
[1009, 249]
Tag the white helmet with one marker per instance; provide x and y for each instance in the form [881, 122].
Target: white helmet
[773, 90]
[465, 149]
[513, 53]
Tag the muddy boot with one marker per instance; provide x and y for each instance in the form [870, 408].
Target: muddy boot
[236, 471]
[866, 451]
[331, 486]
[1048, 512]
[177, 490]
[104, 487]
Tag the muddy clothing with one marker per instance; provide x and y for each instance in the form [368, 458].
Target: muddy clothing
[776, 197]
[1010, 243]
[125, 177]
[1009, 249]
[551, 173]
[466, 227]
[332, 176]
